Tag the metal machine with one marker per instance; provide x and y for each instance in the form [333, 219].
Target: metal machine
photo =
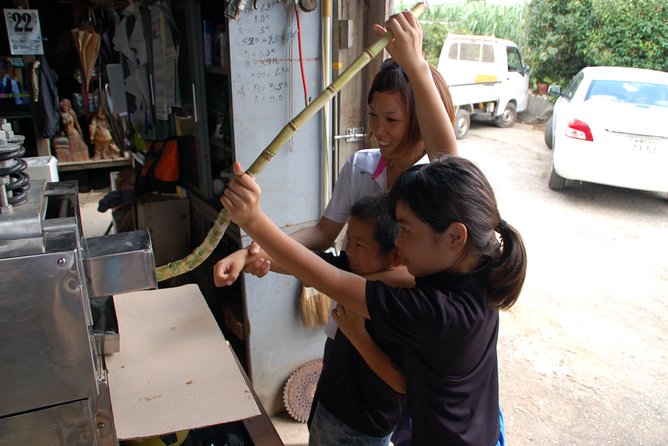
[57, 317]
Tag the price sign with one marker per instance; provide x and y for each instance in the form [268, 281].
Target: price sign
[25, 36]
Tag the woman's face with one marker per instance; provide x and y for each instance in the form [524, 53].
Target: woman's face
[389, 123]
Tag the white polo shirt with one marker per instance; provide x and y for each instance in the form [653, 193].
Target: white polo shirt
[360, 176]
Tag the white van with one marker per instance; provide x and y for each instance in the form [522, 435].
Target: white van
[486, 77]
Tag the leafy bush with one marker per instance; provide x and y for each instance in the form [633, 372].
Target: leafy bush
[565, 36]
[554, 36]
[632, 33]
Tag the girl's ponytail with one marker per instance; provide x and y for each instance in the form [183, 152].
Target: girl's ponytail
[508, 271]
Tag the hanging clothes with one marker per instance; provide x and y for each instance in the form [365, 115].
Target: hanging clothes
[130, 42]
[129, 36]
[165, 46]
[45, 93]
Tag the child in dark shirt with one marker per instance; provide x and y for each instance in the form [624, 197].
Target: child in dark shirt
[355, 402]
[468, 264]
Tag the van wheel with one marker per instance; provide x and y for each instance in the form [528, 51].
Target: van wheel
[556, 182]
[507, 118]
[549, 133]
[462, 123]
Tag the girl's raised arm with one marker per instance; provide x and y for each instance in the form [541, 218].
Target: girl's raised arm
[436, 127]
[242, 201]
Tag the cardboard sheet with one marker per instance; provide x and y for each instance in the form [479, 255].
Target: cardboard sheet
[175, 370]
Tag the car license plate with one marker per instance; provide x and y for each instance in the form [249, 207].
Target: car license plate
[644, 146]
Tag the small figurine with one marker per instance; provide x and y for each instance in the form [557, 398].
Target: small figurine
[71, 147]
[101, 138]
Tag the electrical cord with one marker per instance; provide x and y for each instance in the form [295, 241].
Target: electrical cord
[301, 56]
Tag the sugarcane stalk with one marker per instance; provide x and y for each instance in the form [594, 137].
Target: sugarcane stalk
[203, 251]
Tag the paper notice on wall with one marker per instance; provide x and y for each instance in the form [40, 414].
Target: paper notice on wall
[23, 31]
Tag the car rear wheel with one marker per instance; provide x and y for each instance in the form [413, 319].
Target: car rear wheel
[507, 118]
[462, 123]
[549, 133]
[556, 182]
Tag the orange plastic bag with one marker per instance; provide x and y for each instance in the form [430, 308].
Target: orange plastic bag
[160, 172]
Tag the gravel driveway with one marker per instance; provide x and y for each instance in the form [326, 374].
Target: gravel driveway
[583, 353]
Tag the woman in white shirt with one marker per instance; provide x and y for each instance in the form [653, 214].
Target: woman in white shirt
[408, 99]
[408, 103]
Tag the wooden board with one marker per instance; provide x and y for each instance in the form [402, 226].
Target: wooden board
[175, 370]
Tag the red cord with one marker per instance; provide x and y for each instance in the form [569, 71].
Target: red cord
[301, 57]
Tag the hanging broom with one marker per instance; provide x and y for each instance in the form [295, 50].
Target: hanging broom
[202, 252]
[313, 307]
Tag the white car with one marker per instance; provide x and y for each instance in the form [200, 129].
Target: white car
[610, 126]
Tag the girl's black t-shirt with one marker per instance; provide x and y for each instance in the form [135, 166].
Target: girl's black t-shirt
[447, 334]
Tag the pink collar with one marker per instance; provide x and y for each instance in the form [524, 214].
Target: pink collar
[379, 168]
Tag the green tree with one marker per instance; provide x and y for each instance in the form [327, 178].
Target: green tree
[567, 35]
[631, 33]
[556, 35]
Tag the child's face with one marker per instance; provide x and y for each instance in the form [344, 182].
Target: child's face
[364, 252]
[389, 123]
[421, 250]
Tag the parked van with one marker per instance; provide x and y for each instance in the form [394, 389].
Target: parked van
[486, 77]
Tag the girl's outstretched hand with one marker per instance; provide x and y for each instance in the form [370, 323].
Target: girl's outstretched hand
[242, 198]
[406, 46]
[226, 270]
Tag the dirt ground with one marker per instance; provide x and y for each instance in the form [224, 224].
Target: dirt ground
[582, 355]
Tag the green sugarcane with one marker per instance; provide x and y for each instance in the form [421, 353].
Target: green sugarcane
[203, 251]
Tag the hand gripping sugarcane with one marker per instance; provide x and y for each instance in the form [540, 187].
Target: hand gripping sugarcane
[202, 252]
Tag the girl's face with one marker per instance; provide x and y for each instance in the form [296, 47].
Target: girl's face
[365, 255]
[389, 123]
[422, 251]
